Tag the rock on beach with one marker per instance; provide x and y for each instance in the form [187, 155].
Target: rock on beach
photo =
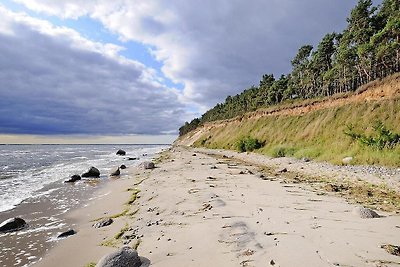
[366, 213]
[103, 223]
[12, 224]
[124, 257]
[148, 165]
[92, 172]
[121, 152]
[67, 233]
[347, 160]
[73, 178]
[116, 173]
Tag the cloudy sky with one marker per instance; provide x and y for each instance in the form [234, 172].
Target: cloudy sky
[143, 68]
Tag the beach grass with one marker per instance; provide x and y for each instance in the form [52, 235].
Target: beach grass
[134, 195]
[316, 135]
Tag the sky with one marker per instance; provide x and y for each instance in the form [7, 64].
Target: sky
[123, 69]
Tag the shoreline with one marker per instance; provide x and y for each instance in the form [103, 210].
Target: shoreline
[46, 216]
[47, 210]
[188, 213]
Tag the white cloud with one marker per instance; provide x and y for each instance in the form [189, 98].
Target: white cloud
[214, 48]
[56, 81]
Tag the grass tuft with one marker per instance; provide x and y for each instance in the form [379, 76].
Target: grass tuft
[134, 195]
[122, 231]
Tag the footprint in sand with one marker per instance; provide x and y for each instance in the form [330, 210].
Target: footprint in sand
[240, 239]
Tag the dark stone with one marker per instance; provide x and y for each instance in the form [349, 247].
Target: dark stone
[148, 165]
[194, 155]
[92, 172]
[67, 233]
[74, 178]
[133, 158]
[12, 224]
[102, 223]
[123, 167]
[144, 154]
[116, 173]
[121, 152]
[366, 213]
[282, 170]
[123, 257]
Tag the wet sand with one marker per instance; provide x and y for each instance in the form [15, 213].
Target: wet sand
[198, 210]
[46, 218]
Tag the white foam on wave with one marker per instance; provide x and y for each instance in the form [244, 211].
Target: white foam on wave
[44, 228]
[28, 183]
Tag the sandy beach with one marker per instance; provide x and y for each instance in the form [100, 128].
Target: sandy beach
[199, 208]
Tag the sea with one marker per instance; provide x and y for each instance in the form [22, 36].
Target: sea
[32, 187]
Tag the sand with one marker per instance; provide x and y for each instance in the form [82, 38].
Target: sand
[189, 213]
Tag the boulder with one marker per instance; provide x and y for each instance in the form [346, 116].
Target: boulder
[67, 233]
[121, 152]
[12, 224]
[366, 213]
[133, 158]
[148, 165]
[92, 172]
[122, 167]
[103, 223]
[347, 160]
[123, 257]
[73, 178]
[116, 173]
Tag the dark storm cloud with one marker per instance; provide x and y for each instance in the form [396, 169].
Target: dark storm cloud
[236, 42]
[55, 82]
[219, 48]
[213, 48]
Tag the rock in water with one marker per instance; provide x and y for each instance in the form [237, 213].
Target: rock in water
[66, 234]
[116, 173]
[74, 178]
[122, 167]
[12, 224]
[121, 152]
[102, 223]
[124, 257]
[92, 172]
[366, 213]
[148, 165]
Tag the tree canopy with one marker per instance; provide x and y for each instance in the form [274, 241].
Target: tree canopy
[367, 49]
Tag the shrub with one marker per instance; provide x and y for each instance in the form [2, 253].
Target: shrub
[281, 151]
[248, 144]
[383, 138]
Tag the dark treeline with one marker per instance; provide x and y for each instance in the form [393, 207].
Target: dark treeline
[368, 49]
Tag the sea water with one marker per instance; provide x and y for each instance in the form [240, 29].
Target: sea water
[32, 187]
